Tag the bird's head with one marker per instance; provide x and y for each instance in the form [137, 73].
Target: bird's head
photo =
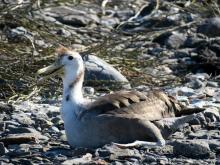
[68, 62]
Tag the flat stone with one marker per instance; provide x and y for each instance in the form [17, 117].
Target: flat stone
[7, 108]
[2, 126]
[185, 91]
[172, 40]
[209, 91]
[85, 159]
[21, 150]
[211, 27]
[72, 16]
[192, 149]
[212, 84]
[23, 119]
[113, 152]
[18, 139]
[23, 138]
[20, 130]
[100, 71]
[212, 113]
[3, 150]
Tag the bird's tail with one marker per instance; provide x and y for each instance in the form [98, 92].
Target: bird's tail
[188, 111]
[181, 110]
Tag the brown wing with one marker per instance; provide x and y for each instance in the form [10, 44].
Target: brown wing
[133, 104]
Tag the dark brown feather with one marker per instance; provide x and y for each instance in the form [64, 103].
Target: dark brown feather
[132, 104]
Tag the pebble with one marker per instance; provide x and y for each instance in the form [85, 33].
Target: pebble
[192, 149]
[211, 27]
[82, 26]
[98, 69]
[3, 150]
[85, 159]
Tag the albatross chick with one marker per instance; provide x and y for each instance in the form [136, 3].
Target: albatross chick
[122, 117]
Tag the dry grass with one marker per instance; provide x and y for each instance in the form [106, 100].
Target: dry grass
[21, 57]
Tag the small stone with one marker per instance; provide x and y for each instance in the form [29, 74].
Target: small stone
[211, 27]
[210, 92]
[212, 113]
[3, 150]
[185, 91]
[23, 119]
[55, 129]
[199, 134]
[21, 150]
[85, 159]
[176, 40]
[170, 61]
[172, 40]
[192, 149]
[20, 130]
[63, 32]
[88, 90]
[212, 84]
[149, 158]
[117, 153]
[7, 108]
[2, 126]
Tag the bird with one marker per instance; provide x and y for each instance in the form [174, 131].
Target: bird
[124, 118]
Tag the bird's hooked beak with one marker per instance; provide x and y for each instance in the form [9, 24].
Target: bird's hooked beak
[51, 70]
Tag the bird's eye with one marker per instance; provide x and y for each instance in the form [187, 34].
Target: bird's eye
[70, 57]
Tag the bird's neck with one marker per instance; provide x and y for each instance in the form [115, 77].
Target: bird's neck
[72, 87]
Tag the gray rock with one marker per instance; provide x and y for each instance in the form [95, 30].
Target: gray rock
[113, 152]
[192, 149]
[185, 91]
[20, 130]
[2, 126]
[55, 129]
[23, 119]
[211, 27]
[182, 53]
[149, 158]
[72, 16]
[99, 70]
[3, 150]
[85, 159]
[212, 84]
[109, 21]
[23, 138]
[200, 76]
[176, 40]
[19, 34]
[63, 32]
[21, 150]
[7, 108]
[214, 144]
[200, 134]
[88, 90]
[171, 40]
[212, 113]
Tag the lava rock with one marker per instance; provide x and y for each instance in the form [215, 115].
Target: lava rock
[192, 149]
[171, 40]
[3, 150]
[23, 119]
[211, 27]
[114, 152]
[72, 16]
[100, 71]
[7, 108]
[85, 159]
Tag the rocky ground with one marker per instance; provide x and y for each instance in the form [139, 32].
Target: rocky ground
[174, 47]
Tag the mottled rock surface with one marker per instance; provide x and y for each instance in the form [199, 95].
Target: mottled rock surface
[173, 47]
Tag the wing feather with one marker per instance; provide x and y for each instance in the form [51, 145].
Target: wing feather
[133, 104]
